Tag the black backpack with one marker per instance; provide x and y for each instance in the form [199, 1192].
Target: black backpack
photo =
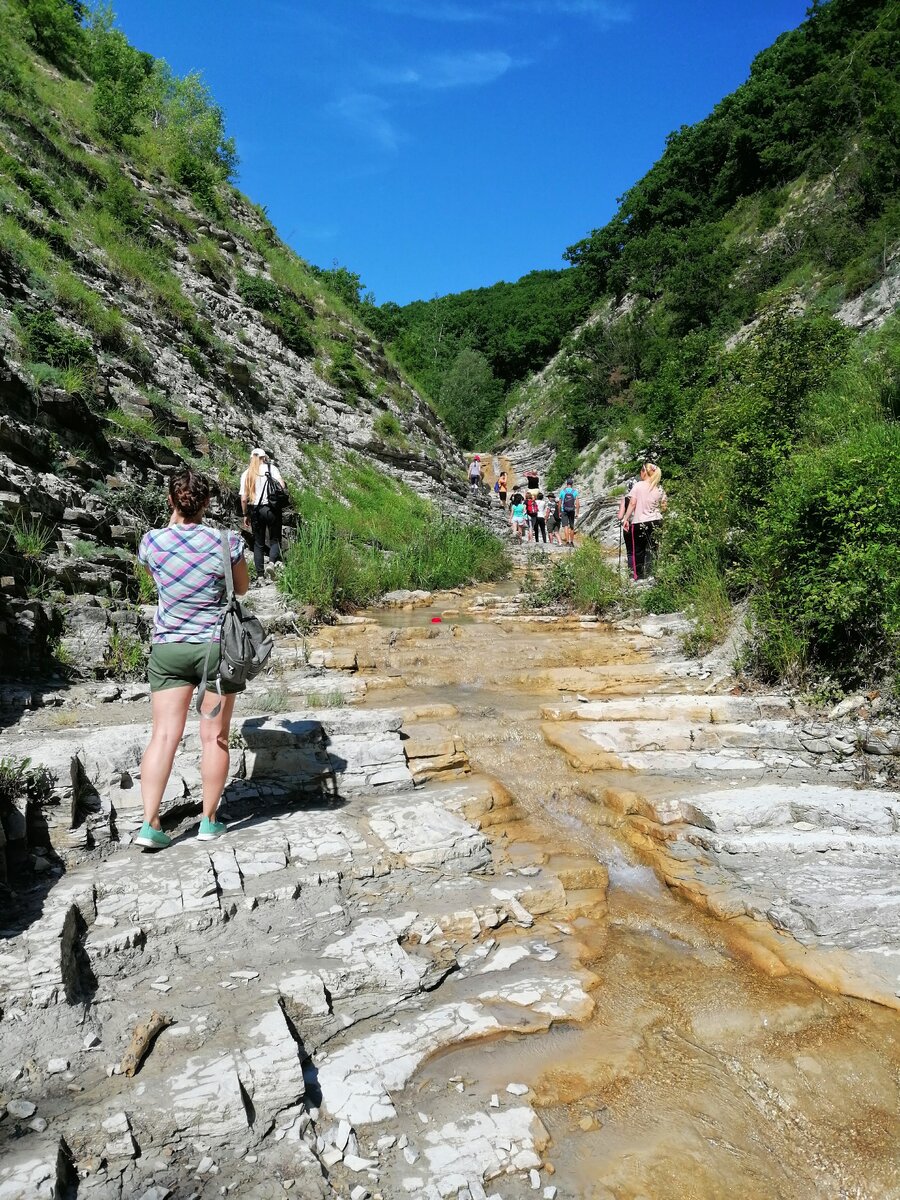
[275, 494]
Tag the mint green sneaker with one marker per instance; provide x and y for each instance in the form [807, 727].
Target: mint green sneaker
[152, 839]
[210, 830]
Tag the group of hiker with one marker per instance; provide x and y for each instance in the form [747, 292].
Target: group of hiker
[551, 518]
[194, 567]
[533, 516]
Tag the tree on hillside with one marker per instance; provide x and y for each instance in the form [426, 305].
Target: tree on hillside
[55, 28]
[470, 396]
[122, 76]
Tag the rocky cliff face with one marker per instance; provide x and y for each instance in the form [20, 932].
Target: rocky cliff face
[109, 380]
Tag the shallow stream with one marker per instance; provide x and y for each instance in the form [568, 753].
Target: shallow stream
[698, 1077]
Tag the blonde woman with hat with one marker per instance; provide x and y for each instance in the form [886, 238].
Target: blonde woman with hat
[262, 514]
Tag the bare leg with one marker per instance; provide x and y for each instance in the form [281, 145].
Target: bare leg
[169, 709]
[215, 760]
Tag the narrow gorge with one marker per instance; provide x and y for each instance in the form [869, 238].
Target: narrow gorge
[538, 880]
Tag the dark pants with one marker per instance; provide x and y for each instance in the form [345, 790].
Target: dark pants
[265, 523]
[539, 524]
[643, 537]
[629, 542]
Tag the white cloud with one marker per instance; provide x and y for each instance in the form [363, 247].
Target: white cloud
[440, 71]
[368, 115]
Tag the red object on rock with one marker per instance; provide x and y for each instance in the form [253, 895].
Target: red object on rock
[435, 620]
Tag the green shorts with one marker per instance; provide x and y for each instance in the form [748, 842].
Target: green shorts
[180, 664]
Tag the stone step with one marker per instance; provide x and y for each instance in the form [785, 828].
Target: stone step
[629, 737]
[706, 710]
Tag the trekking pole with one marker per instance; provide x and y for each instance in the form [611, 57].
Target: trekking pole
[621, 535]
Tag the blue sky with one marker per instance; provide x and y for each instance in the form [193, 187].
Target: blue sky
[438, 145]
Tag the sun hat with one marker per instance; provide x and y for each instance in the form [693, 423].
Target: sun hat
[258, 452]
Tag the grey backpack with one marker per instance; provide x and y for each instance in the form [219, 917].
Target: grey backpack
[244, 646]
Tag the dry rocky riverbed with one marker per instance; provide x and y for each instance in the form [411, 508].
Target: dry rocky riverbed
[436, 954]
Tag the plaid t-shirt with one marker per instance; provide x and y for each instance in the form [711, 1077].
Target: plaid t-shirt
[186, 564]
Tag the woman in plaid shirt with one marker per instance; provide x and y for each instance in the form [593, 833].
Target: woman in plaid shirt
[185, 560]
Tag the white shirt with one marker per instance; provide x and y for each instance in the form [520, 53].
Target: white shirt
[541, 509]
[260, 482]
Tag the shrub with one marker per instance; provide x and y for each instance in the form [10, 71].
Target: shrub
[46, 340]
[828, 561]
[280, 311]
[582, 580]
[387, 427]
[123, 202]
[55, 28]
[126, 657]
[345, 372]
[18, 779]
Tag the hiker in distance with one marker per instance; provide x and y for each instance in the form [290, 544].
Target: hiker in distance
[500, 487]
[569, 507]
[263, 496]
[186, 561]
[475, 474]
[642, 519]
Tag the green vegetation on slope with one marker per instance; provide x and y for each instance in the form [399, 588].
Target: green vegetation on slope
[780, 454]
[784, 472]
[789, 186]
[363, 534]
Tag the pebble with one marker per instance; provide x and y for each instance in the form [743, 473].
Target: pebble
[495, 1101]
[117, 1123]
[423, 1118]
[331, 1156]
[245, 975]
[386, 1143]
[161, 987]
[91, 1041]
[359, 1193]
[205, 1165]
[342, 1136]
[38, 1125]
[409, 1155]
[56, 1066]
[550, 1192]
[535, 1179]
[517, 1089]
[21, 1109]
[354, 1163]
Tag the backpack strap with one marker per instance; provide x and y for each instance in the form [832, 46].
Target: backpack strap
[204, 684]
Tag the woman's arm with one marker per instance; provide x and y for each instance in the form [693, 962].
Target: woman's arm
[241, 576]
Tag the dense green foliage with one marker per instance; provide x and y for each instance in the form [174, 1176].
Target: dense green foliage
[513, 327]
[363, 534]
[280, 310]
[581, 579]
[784, 472]
[790, 185]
